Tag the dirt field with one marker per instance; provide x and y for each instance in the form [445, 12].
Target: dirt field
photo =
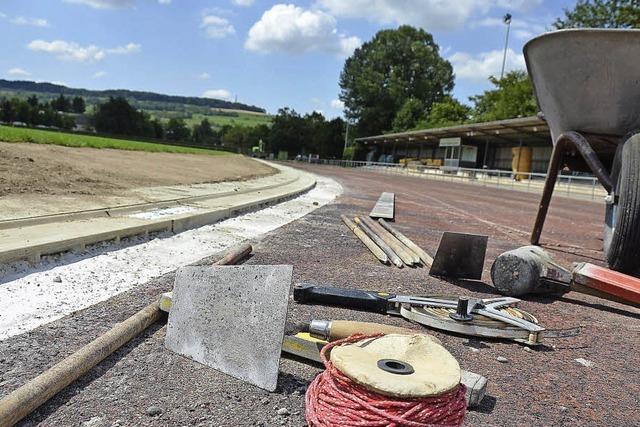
[544, 386]
[56, 170]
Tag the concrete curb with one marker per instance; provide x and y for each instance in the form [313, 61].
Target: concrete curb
[73, 232]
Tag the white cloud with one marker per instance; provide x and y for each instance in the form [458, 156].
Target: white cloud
[428, 14]
[71, 51]
[217, 94]
[18, 72]
[3, 15]
[99, 74]
[243, 3]
[104, 4]
[337, 104]
[34, 22]
[124, 50]
[164, 1]
[216, 27]
[292, 29]
[480, 66]
[204, 76]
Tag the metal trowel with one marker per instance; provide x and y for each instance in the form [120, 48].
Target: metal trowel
[460, 255]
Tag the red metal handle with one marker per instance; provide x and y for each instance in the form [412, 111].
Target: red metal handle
[608, 281]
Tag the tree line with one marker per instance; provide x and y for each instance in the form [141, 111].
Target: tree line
[291, 132]
[32, 112]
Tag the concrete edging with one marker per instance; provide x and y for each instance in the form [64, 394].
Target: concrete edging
[45, 238]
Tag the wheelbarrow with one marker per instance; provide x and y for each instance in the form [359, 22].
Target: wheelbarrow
[587, 85]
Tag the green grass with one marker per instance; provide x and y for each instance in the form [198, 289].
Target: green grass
[216, 120]
[37, 136]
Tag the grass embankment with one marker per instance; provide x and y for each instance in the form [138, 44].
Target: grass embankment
[217, 120]
[38, 136]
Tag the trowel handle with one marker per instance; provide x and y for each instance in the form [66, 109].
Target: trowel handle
[344, 328]
[376, 302]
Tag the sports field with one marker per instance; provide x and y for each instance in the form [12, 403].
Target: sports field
[37, 136]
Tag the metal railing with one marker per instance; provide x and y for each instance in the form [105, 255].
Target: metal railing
[573, 186]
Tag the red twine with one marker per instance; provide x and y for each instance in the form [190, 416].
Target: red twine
[334, 400]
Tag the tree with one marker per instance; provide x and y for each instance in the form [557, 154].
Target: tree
[287, 131]
[383, 73]
[601, 14]
[61, 104]
[78, 105]
[7, 113]
[32, 101]
[242, 138]
[118, 117]
[410, 114]
[448, 112]
[177, 130]
[203, 133]
[512, 97]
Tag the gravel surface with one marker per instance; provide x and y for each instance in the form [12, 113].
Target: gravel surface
[588, 380]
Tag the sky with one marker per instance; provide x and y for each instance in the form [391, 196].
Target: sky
[265, 53]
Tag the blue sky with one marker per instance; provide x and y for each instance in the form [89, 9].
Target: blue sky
[266, 53]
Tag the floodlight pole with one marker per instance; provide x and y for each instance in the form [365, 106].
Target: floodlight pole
[346, 136]
[507, 20]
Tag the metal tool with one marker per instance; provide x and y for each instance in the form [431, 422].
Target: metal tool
[460, 255]
[531, 270]
[491, 318]
[231, 318]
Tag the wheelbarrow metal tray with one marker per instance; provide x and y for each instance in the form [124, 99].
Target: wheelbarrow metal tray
[587, 80]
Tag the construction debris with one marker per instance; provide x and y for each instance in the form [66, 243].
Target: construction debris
[231, 319]
[384, 207]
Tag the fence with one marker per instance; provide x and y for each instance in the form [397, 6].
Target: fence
[579, 187]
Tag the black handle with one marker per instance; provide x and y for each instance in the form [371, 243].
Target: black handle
[376, 302]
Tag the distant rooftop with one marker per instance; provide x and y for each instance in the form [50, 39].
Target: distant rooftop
[510, 130]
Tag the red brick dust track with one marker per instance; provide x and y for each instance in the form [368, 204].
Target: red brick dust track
[545, 386]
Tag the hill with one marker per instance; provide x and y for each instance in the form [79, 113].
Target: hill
[146, 100]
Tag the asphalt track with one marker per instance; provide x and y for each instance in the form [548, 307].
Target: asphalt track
[546, 386]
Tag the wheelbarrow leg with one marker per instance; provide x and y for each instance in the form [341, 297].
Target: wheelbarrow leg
[590, 157]
[549, 184]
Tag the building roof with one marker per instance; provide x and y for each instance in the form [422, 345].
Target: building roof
[510, 130]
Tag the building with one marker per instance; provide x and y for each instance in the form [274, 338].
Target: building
[501, 144]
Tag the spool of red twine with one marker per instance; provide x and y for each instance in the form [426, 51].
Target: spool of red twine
[334, 400]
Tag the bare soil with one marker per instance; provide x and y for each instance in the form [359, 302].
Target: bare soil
[55, 170]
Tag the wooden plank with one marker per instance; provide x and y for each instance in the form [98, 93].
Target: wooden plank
[385, 206]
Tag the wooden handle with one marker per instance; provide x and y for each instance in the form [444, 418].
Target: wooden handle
[344, 328]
